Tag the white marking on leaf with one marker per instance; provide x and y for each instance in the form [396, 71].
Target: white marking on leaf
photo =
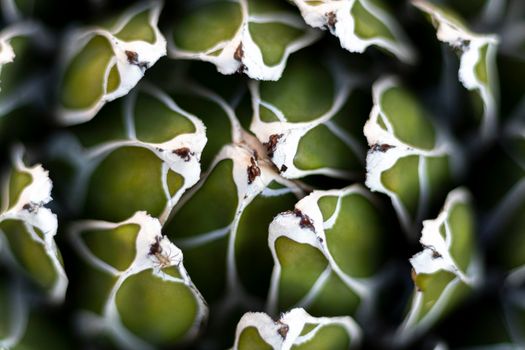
[252, 62]
[378, 162]
[288, 225]
[85, 161]
[289, 134]
[31, 211]
[455, 34]
[323, 16]
[293, 322]
[148, 234]
[29, 87]
[241, 153]
[130, 73]
[435, 257]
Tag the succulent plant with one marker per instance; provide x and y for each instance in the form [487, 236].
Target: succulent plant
[262, 174]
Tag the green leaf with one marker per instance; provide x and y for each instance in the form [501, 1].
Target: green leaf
[447, 269]
[296, 330]
[208, 25]
[18, 181]
[20, 77]
[27, 228]
[358, 24]
[107, 242]
[106, 63]
[138, 28]
[299, 120]
[83, 83]
[477, 71]
[168, 311]
[246, 36]
[326, 252]
[251, 339]
[407, 118]
[232, 232]
[409, 159]
[273, 39]
[127, 180]
[29, 253]
[150, 294]
[147, 156]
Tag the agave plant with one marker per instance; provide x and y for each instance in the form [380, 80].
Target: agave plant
[249, 174]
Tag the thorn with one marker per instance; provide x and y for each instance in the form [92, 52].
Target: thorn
[332, 20]
[283, 330]
[381, 147]
[271, 145]
[305, 222]
[184, 153]
[238, 55]
[133, 58]
[253, 170]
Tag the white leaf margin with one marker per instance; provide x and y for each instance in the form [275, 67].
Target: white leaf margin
[455, 34]
[291, 133]
[241, 155]
[129, 73]
[85, 161]
[287, 225]
[252, 62]
[295, 320]
[35, 195]
[433, 241]
[150, 230]
[378, 162]
[322, 16]
[244, 151]
[28, 88]
[436, 257]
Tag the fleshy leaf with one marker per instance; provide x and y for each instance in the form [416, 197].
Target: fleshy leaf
[24, 325]
[304, 120]
[242, 182]
[150, 289]
[296, 329]
[17, 84]
[358, 24]
[223, 241]
[241, 36]
[7, 53]
[147, 156]
[102, 64]
[409, 159]
[447, 269]
[477, 70]
[27, 227]
[326, 253]
[14, 312]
